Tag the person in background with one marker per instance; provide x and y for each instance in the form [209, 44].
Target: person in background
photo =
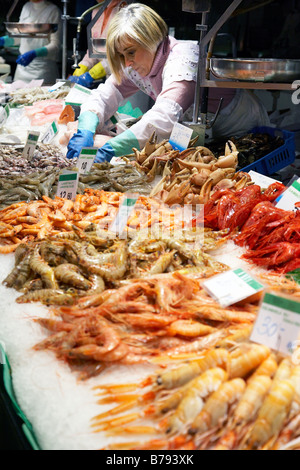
[91, 69]
[241, 111]
[38, 56]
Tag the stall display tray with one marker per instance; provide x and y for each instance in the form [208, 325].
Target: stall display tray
[256, 70]
[30, 29]
[279, 158]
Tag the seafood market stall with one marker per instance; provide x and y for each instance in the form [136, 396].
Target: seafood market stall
[154, 304]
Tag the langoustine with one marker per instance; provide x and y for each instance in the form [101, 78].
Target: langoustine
[252, 411]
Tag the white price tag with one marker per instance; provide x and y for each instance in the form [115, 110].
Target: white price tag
[51, 132]
[4, 113]
[288, 199]
[232, 286]
[68, 185]
[78, 95]
[262, 180]
[180, 137]
[56, 86]
[86, 160]
[123, 214]
[277, 324]
[31, 144]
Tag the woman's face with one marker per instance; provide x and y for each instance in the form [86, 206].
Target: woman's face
[137, 57]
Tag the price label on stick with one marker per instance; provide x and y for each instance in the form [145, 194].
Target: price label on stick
[180, 137]
[56, 86]
[278, 324]
[31, 144]
[289, 197]
[123, 214]
[262, 180]
[68, 185]
[86, 160]
[232, 286]
[78, 95]
[50, 133]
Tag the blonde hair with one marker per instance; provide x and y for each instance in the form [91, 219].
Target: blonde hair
[138, 22]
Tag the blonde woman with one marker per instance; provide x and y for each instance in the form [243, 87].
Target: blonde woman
[141, 56]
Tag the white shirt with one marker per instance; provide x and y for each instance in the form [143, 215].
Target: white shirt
[41, 67]
[42, 12]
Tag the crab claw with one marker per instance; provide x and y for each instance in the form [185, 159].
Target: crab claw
[230, 148]
[205, 191]
[227, 161]
[178, 193]
[221, 173]
[241, 183]
[150, 145]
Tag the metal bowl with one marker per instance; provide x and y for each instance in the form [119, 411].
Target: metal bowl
[256, 70]
[31, 28]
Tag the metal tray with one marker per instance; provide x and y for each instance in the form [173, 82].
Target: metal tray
[31, 29]
[256, 70]
[99, 46]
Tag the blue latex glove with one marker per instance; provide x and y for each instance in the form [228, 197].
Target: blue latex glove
[105, 154]
[87, 125]
[7, 41]
[26, 58]
[80, 140]
[85, 80]
[73, 79]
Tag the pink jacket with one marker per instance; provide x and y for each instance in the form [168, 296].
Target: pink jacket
[99, 30]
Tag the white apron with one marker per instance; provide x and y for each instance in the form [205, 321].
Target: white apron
[41, 67]
[243, 113]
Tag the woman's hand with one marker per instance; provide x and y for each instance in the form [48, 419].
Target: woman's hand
[105, 154]
[80, 140]
[87, 125]
[26, 58]
[85, 80]
[73, 79]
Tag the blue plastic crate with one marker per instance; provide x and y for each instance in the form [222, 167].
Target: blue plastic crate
[279, 158]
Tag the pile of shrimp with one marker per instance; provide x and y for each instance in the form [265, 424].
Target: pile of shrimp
[63, 267]
[48, 271]
[23, 222]
[36, 220]
[157, 319]
[29, 181]
[237, 396]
